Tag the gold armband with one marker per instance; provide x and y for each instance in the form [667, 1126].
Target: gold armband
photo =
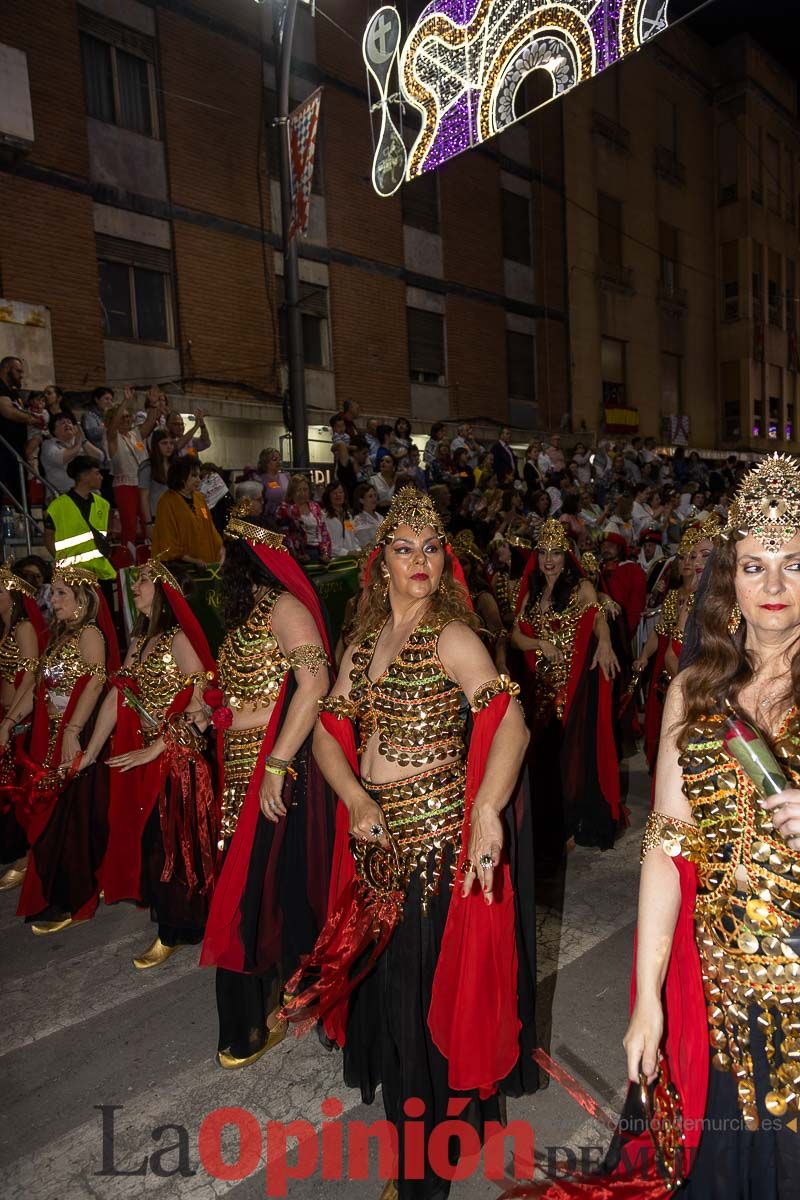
[483, 696]
[668, 833]
[341, 707]
[96, 669]
[310, 655]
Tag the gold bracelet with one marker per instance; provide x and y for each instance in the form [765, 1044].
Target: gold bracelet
[668, 833]
[275, 770]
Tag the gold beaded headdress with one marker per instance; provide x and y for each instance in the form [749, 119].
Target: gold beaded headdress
[463, 546]
[553, 536]
[157, 569]
[239, 527]
[75, 576]
[413, 508]
[767, 503]
[12, 582]
[709, 528]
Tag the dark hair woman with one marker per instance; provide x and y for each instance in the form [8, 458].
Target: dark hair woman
[562, 629]
[183, 529]
[63, 816]
[339, 520]
[153, 472]
[388, 977]
[276, 820]
[719, 901]
[160, 850]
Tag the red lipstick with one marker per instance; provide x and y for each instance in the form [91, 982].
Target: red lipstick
[419, 575]
[774, 607]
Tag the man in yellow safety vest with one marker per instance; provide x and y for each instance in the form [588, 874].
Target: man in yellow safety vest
[76, 523]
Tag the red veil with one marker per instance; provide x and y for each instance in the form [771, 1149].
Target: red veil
[223, 945]
[120, 871]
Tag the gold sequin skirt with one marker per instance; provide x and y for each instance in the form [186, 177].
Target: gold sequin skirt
[240, 752]
[424, 815]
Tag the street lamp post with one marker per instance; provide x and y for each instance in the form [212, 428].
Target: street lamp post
[283, 32]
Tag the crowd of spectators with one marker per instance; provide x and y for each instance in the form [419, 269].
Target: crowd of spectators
[618, 496]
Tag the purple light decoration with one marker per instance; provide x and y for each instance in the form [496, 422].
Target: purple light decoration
[604, 24]
[457, 131]
[459, 11]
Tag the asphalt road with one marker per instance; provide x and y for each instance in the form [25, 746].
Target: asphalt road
[108, 1073]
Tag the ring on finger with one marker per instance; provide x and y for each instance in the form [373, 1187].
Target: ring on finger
[376, 830]
[485, 861]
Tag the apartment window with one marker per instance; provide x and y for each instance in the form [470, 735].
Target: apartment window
[520, 361]
[790, 422]
[612, 367]
[606, 94]
[135, 290]
[728, 162]
[730, 281]
[791, 299]
[759, 429]
[730, 382]
[609, 219]
[756, 281]
[772, 172]
[775, 402]
[420, 202]
[671, 384]
[426, 356]
[774, 288]
[313, 305]
[756, 171]
[516, 216]
[119, 82]
[668, 254]
[667, 128]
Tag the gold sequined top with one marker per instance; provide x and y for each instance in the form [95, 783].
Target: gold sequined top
[12, 660]
[158, 677]
[62, 665]
[668, 623]
[416, 709]
[748, 935]
[560, 629]
[250, 664]
[506, 591]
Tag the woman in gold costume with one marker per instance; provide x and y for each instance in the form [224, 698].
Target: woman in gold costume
[162, 813]
[427, 845]
[720, 853]
[276, 820]
[23, 638]
[65, 822]
[570, 667]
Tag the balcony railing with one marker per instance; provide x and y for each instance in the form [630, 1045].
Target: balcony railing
[617, 136]
[668, 166]
[615, 276]
[673, 296]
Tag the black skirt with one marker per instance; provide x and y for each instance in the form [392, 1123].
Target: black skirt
[179, 912]
[388, 1041]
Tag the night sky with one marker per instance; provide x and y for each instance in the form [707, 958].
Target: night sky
[776, 24]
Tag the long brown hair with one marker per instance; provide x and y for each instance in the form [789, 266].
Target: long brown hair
[449, 601]
[719, 666]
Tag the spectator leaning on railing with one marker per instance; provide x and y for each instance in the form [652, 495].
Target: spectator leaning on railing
[66, 442]
[14, 422]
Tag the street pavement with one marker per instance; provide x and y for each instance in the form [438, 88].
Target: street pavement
[89, 1042]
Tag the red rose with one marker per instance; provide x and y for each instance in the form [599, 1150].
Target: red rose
[213, 697]
[222, 718]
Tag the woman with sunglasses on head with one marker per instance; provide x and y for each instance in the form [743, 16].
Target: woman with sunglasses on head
[65, 821]
[161, 848]
[425, 936]
[276, 819]
[23, 638]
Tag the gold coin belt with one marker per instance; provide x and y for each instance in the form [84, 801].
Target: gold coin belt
[241, 748]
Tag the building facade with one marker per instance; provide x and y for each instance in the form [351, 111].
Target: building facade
[141, 209]
[682, 168]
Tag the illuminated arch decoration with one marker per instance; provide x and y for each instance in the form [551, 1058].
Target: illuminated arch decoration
[464, 64]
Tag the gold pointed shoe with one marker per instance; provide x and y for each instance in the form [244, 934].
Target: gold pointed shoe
[154, 955]
[274, 1038]
[390, 1191]
[14, 877]
[42, 928]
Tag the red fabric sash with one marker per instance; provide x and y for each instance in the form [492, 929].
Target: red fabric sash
[188, 816]
[475, 982]
[222, 944]
[685, 1048]
[132, 797]
[654, 707]
[36, 803]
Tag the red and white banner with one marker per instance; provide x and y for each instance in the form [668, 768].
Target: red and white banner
[303, 125]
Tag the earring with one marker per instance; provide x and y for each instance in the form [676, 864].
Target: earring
[385, 588]
[78, 613]
[735, 619]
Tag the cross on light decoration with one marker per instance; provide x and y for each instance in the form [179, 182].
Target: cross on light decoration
[463, 65]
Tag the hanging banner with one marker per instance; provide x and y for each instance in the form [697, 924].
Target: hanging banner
[464, 63]
[302, 124]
